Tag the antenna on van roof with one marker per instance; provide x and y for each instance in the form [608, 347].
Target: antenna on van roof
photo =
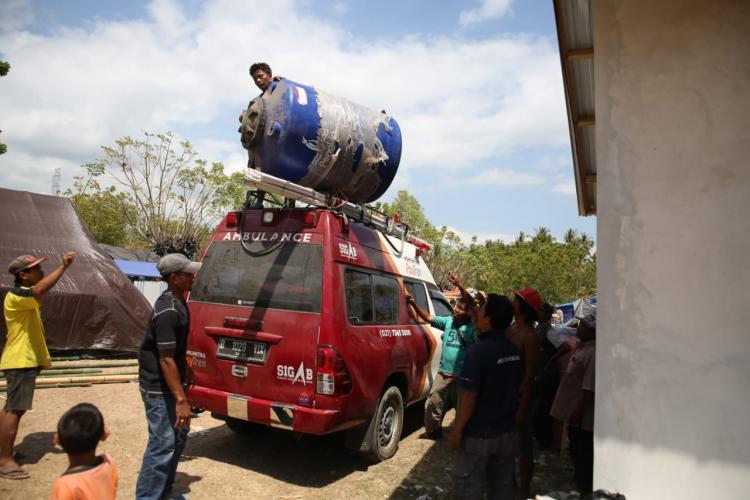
[390, 226]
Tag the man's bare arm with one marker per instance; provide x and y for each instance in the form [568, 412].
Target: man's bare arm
[465, 295]
[46, 283]
[531, 356]
[415, 310]
[172, 378]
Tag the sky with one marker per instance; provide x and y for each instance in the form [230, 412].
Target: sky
[475, 86]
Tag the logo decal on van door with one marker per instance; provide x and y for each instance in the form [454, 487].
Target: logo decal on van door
[289, 373]
[348, 250]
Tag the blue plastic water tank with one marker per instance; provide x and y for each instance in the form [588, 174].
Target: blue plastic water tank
[324, 142]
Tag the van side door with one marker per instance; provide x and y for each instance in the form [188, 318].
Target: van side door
[431, 335]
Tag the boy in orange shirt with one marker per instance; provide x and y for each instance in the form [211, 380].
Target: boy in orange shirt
[88, 476]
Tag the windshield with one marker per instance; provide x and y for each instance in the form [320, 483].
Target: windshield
[288, 278]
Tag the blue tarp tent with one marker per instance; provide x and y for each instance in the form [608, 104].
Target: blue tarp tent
[134, 268]
[571, 309]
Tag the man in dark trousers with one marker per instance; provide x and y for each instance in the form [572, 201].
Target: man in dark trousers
[574, 403]
[162, 376]
[484, 432]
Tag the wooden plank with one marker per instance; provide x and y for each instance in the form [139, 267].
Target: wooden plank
[585, 121]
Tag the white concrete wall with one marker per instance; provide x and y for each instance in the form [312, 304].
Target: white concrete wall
[673, 215]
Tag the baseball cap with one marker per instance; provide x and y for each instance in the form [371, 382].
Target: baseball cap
[589, 320]
[176, 262]
[531, 297]
[23, 263]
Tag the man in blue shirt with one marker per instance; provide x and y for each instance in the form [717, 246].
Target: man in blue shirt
[484, 432]
[459, 333]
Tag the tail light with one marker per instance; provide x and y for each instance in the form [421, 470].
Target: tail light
[310, 219]
[232, 218]
[332, 376]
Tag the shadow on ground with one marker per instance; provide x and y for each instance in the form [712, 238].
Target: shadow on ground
[308, 461]
[302, 460]
[35, 446]
[183, 481]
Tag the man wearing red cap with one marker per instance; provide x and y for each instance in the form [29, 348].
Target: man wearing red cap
[25, 352]
[526, 305]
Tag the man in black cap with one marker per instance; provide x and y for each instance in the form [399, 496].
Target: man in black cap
[162, 375]
[25, 352]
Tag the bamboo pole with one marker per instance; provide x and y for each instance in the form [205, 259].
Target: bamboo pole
[64, 373]
[53, 372]
[61, 386]
[79, 373]
[93, 379]
[94, 363]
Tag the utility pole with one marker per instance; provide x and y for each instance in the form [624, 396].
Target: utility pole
[56, 182]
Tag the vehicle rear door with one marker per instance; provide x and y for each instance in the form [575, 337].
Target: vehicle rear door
[255, 315]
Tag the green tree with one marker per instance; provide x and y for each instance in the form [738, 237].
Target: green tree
[105, 225]
[169, 199]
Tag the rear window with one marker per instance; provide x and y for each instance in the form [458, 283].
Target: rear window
[288, 278]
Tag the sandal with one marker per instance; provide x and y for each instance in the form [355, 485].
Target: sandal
[15, 473]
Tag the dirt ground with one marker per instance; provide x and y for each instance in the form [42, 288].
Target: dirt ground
[219, 464]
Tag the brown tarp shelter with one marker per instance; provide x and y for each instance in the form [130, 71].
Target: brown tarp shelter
[94, 305]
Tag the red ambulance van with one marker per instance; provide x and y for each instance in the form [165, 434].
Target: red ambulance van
[298, 321]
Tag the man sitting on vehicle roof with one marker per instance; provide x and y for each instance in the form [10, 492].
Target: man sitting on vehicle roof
[460, 332]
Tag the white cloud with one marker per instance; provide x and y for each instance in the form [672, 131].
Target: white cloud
[458, 101]
[15, 15]
[564, 184]
[340, 8]
[488, 9]
[499, 178]
[554, 163]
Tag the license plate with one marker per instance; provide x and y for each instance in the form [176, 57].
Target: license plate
[241, 350]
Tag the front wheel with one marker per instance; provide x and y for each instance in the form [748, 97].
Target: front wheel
[384, 432]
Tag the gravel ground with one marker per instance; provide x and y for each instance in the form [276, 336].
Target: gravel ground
[219, 464]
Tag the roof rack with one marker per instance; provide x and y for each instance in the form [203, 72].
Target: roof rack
[369, 216]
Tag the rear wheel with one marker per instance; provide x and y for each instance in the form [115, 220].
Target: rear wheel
[384, 432]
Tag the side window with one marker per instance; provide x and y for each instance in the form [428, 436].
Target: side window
[385, 296]
[358, 297]
[442, 307]
[417, 291]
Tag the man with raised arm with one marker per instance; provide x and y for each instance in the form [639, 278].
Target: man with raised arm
[25, 352]
[459, 333]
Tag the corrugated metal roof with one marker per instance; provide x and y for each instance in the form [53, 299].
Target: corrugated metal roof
[574, 35]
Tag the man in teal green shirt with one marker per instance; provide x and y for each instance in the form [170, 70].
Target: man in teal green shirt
[459, 333]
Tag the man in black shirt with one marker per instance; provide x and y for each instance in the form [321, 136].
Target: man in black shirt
[162, 371]
[484, 433]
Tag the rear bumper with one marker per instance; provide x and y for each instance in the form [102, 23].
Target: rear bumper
[282, 415]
